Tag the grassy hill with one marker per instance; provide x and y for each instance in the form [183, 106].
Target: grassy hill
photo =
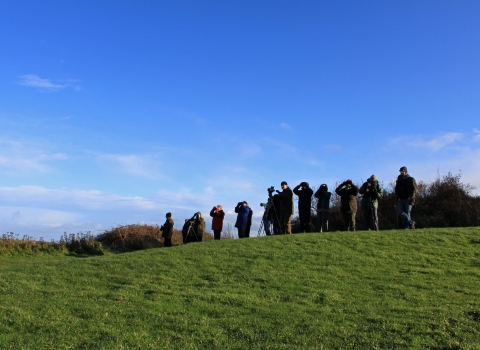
[417, 289]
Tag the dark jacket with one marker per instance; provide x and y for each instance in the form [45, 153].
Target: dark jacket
[243, 213]
[274, 212]
[286, 202]
[304, 197]
[406, 187]
[323, 196]
[348, 198]
[217, 221]
[372, 192]
[167, 228]
[185, 228]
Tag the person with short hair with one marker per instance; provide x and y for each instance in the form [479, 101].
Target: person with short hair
[371, 191]
[167, 230]
[323, 207]
[304, 193]
[243, 212]
[348, 197]
[286, 208]
[405, 189]
[217, 214]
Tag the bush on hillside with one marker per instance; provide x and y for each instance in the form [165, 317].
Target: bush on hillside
[138, 237]
[82, 243]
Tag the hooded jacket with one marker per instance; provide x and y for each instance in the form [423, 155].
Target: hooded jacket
[304, 197]
[243, 212]
[372, 192]
[348, 198]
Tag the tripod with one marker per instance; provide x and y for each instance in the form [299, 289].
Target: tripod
[190, 234]
[268, 207]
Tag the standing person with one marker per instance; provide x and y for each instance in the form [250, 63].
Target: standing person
[371, 191]
[348, 196]
[243, 210]
[286, 208]
[217, 214]
[405, 189]
[199, 226]
[186, 227]
[323, 207]
[167, 230]
[304, 193]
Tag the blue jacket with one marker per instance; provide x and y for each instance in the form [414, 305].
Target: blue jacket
[242, 217]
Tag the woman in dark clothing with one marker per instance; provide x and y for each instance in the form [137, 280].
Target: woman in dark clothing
[243, 212]
[217, 222]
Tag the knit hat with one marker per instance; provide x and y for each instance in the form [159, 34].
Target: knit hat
[283, 183]
[404, 168]
[373, 178]
[349, 181]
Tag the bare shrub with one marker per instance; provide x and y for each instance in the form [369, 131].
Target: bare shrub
[11, 243]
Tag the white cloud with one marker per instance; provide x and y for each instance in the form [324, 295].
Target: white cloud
[33, 80]
[434, 144]
[285, 126]
[138, 165]
[21, 158]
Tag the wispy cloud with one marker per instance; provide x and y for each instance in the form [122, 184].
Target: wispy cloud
[332, 148]
[285, 126]
[145, 166]
[19, 158]
[34, 81]
[433, 144]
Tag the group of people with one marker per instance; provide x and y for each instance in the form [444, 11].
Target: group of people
[280, 208]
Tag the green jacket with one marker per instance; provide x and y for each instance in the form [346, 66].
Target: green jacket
[370, 194]
[199, 227]
[167, 228]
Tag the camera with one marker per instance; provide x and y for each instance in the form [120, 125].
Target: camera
[264, 205]
[270, 190]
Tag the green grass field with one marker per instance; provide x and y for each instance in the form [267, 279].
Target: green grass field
[417, 289]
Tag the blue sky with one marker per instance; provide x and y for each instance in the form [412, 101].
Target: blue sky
[116, 112]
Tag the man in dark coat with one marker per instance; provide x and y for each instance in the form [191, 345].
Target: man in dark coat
[217, 214]
[304, 193]
[371, 191]
[405, 189]
[348, 196]
[286, 208]
[323, 207]
[243, 212]
[167, 230]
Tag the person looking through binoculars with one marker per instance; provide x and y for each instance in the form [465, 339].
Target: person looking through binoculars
[323, 207]
[304, 193]
[286, 208]
[348, 197]
[371, 191]
[217, 214]
[243, 213]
